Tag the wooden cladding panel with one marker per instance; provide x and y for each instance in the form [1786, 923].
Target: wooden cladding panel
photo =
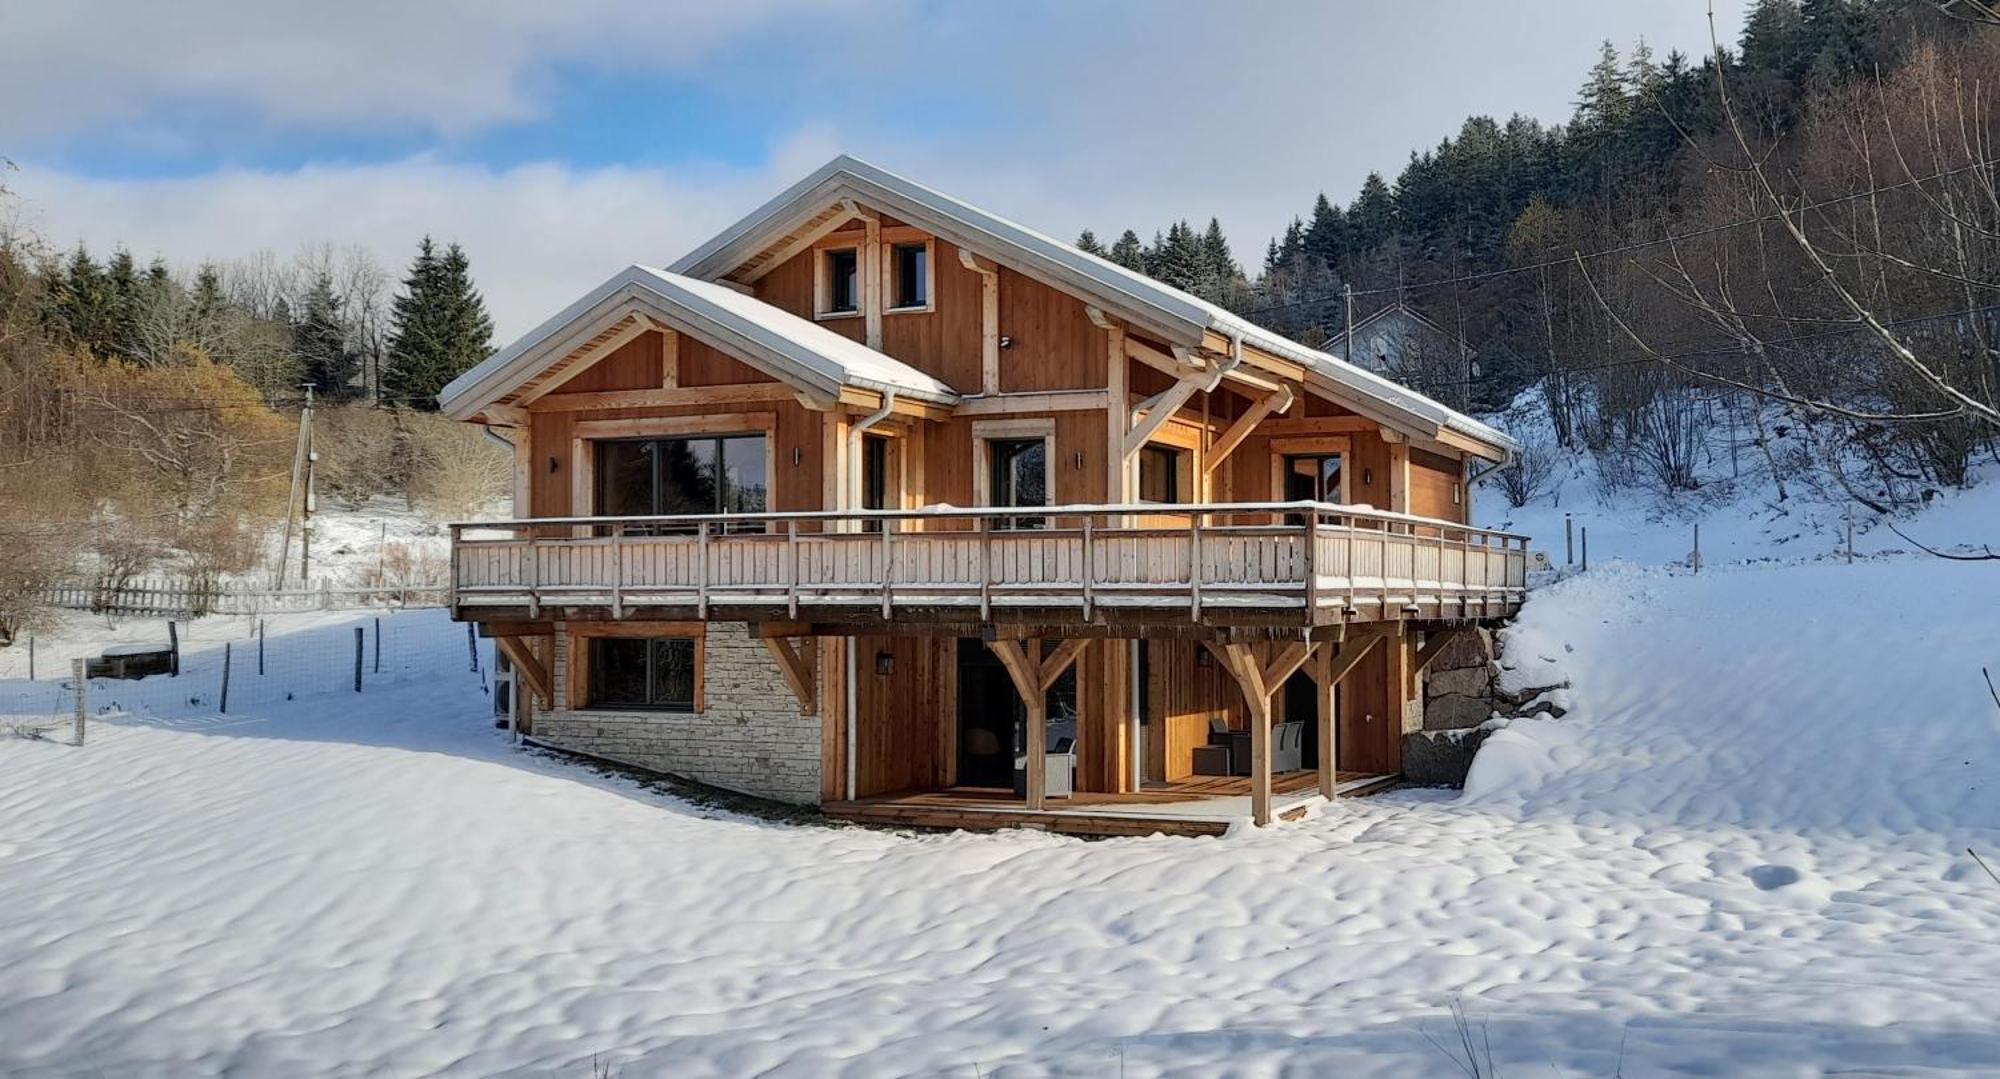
[635, 365]
[1434, 479]
[702, 364]
[1055, 345]
[1182, 696]
[897, 714]
[1369, 483]
[944, 341]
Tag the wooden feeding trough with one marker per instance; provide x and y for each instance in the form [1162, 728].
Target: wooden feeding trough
[132, 661]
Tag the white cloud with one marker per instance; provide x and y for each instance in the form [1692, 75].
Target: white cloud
[450, 66]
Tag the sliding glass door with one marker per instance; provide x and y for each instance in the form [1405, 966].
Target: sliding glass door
[659, 476]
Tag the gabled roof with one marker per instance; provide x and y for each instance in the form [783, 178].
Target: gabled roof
[1168, 312]
[1380, 313]
[780, 344]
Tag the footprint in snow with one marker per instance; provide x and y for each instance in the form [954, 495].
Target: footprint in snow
[1772, 877]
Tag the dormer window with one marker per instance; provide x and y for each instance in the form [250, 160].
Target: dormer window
[842, 268]
[910, 275]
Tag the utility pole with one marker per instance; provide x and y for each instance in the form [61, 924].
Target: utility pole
[1347, 346]
[299, 451]
[310, 504]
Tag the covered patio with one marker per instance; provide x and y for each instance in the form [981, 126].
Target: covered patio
[1199, 806]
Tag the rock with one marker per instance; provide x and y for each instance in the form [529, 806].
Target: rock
[1456, 712]
[1441, 758]
[1463, 682]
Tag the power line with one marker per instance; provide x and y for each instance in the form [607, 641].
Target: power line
[1640, 245]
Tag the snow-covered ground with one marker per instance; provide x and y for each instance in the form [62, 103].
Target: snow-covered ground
[1742, 853]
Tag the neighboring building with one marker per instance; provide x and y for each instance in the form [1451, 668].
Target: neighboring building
[1398, 342]
[875, 489]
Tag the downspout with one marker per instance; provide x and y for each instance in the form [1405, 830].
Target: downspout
[851, 483]
[497, 438]
[851, 494]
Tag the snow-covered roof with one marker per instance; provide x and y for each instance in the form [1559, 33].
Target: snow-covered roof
[782, 344]
[1163, 309]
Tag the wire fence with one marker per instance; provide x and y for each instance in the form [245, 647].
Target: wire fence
[214, 667]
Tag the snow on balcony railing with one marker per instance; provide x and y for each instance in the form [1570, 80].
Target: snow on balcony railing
[1327, 562]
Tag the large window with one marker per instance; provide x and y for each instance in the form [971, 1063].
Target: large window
[1160, 474]
[843, 284]
[651, 673]
[708, 474]
[1019, 476]
[912, 274]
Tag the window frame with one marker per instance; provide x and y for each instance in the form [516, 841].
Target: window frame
[823, 281]
[987, 432]
[1179, 475]
[580, 674]
[894, 243]
[717, 438]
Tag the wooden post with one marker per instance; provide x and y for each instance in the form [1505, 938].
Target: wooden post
[31, 658]
[260, 647]
[1325, 698]
[472, 643]
[225, 677]
[173, 650]
[76, 667]
[378, 646]
[358, 634]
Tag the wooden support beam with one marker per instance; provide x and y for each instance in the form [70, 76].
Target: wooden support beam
[1032, 675]
[989, 318]
[516, 629]
[796, 663]
[1159, 409]
[1436, 643]
[1264, 406]
[1242, 664]
[527, 667]
[1352, 651]
[1325, 697]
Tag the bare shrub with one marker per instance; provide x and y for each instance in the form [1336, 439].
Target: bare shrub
[407, 565]
[363, 452]
[120, 551]
[459, 472]
[1528, 475]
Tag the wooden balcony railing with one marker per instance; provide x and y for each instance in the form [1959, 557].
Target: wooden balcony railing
[1283, 562]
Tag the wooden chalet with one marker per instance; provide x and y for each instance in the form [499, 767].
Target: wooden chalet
[881, 502]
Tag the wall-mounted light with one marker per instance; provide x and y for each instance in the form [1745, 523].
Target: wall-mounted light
[1367, 477]
[1457, 493]
[798, 455]
[1006, 341]
[885, 663]
[1202, 658]
[554, 464]
[1079, 460]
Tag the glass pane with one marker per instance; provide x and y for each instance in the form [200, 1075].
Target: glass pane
[673, 674]
[1329, 478]
[745, 484]
[618, 671]
[624, 479]
[911, 260]
[841, 285]
[1029, 465]
[1159, 474]
[687, 476]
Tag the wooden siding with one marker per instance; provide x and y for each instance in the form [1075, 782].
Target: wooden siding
[635, 365]
[702, 364]
[793, 486]
[1433, 480]
[1054, 344]
[898, 715]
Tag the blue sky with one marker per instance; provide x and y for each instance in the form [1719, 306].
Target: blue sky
[560, 142]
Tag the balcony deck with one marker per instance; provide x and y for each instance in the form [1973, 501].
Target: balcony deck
[1112, 570]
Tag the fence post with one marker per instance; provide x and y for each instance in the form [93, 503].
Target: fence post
[174, 647]
[225, 677]
[1697, 546]
[77, 668]
[472, 643]
[378, 646]
[1569, 541]
[1586, 548]
[326, 595]
[260, 647]
[31, 658]
[358, 634]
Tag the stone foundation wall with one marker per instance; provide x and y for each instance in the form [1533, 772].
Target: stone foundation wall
[750, 738]
[1458, 686]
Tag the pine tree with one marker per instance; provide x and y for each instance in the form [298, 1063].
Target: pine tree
[1127, 252]
[1772, 38]
[1087, 243]
[1371, 217]
[1179, 260]
[320, 339]
[1217, 263]
[438, 328]
[1326, 237]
